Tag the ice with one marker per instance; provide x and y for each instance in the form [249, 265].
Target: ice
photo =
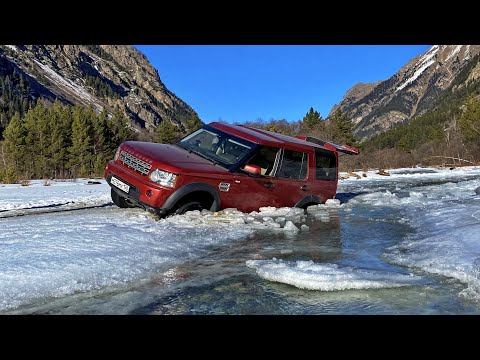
[333, 203]
[74, 251]
[16, 196]
[447, 241]
[328, 277]
[290, 226]
[304, 227]
[51, 255]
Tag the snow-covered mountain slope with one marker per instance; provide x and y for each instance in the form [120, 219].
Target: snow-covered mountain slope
[377, 107]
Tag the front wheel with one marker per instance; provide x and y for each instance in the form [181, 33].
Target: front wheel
[189, 206]
[118, 200]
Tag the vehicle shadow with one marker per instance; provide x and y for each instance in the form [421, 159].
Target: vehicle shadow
[347, 196]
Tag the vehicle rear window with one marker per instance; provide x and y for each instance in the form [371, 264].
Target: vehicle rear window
[294, 165]
[325, 165]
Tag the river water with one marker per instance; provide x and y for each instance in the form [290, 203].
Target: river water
[409, 244]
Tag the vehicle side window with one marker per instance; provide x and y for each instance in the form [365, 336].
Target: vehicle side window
[294, 165]
[325, 165]
[265, 158]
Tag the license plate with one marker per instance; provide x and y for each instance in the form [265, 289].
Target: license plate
[120, 184]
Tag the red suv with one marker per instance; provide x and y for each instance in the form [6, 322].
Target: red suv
[224, 166]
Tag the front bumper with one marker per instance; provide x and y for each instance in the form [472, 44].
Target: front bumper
[142, 192]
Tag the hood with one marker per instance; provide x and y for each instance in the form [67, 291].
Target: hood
[171, 157]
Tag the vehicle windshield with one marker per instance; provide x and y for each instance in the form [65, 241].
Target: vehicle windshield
[217, 146]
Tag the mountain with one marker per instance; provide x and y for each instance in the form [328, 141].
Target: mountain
[103, 76]
[413, 90]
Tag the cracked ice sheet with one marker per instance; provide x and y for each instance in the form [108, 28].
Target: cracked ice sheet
[328, 277]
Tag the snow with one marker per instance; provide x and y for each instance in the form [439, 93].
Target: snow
[61, 81]
[12, 47]
[454, 52]
[57, 193]
[80, 251]
[86, 249]
[44, 255]
[423, 63]
[447, 240]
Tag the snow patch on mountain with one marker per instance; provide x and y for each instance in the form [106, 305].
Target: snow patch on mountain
[415, 75]
[423, 63]
[12, 47]
[454, 52]
[61, 81]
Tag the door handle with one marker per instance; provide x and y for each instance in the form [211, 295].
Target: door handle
[304, 188]
[269, 185]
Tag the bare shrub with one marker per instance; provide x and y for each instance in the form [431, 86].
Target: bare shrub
[387, 159]
[25, 182]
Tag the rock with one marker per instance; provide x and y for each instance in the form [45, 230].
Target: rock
[377, 107]
[477, 190]
[90, 182]
[134, 84]
[383, 172]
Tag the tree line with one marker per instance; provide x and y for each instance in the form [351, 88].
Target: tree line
[61, 141]
[447, 135]
[74, 141]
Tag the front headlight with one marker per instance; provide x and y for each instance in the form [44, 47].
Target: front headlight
[117, 154]
[163, 178]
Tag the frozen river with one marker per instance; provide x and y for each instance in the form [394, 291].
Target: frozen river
[408, 243]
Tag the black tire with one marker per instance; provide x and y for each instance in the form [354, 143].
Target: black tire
[189, 206]
[118, 200]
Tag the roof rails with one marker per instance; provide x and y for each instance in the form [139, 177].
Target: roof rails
[347, 149]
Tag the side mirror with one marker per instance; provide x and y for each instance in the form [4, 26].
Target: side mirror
[253, 169]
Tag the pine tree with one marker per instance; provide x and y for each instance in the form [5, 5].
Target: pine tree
[118, 131]
[469, 122]
[101, 147]
[312, 118]
[194, 123]
[61, 128]
[80, 151]
[38, 139]
[15, 146]
[167, 133]
[342, 128]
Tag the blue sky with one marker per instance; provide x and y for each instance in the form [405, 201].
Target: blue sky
[247, 82]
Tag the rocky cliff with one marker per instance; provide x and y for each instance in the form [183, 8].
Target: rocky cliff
[414, 89]
[103, 76]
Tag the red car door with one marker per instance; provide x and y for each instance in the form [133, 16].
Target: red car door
[293, 176]
[324, 174]
[248, 192]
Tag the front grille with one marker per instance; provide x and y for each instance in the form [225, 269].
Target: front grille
[135, 163]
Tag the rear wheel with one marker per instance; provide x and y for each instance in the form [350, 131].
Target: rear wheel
[120, 201]
[189, 206]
